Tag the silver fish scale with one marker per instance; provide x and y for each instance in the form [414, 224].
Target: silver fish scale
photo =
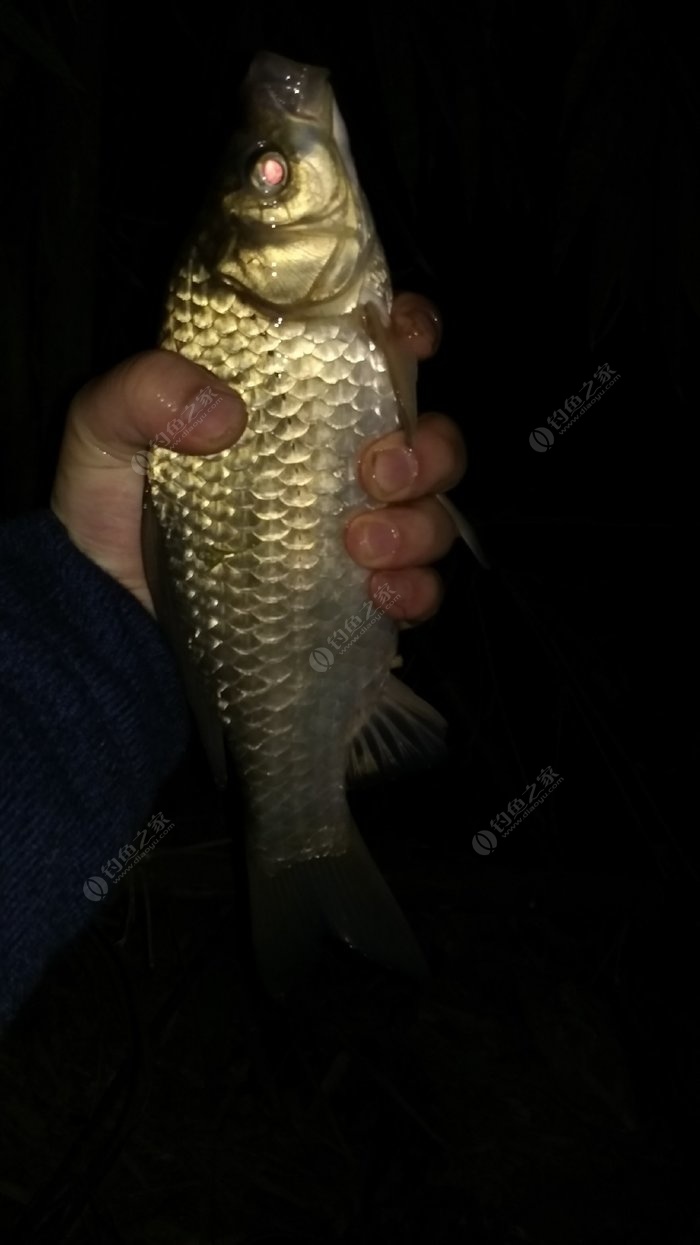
[254, 544]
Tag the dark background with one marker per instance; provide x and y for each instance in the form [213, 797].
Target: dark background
[534, 170]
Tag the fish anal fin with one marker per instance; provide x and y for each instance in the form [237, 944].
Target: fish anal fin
[401, 732]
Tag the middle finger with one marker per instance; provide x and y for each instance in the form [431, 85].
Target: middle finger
[400, 536]
[391, 471]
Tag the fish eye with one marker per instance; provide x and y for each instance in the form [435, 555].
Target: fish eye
[269, 172]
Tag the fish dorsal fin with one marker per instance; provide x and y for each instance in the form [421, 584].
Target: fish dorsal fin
[160, 584]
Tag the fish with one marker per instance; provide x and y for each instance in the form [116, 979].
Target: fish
[284, 294]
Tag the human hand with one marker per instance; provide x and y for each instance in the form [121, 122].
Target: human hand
[97, 494]
[412, 529]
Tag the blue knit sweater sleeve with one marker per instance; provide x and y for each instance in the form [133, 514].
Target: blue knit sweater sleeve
[93, 720]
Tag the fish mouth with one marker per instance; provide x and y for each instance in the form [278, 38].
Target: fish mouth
[300, 90]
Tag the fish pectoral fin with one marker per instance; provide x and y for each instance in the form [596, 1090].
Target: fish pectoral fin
[401, 732]
[401, 365]
[465, 530]
[160, 584]
[295, 907]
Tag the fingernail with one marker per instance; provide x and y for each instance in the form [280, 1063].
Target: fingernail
[219, 414]
[421, 322]
[378, 540]
[394, 470]
[215, 412]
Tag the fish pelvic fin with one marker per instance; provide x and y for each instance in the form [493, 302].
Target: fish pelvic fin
[402, 732]
[294, 908]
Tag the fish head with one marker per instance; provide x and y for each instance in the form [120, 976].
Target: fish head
[290, 228]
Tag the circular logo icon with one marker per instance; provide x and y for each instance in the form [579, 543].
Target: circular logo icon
[140, 463]
[541, 439]
[95, 889]
[484, 842]
[321, 660]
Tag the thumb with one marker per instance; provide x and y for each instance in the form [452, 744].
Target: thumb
[157, 398]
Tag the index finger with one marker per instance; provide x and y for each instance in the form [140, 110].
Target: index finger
[416, 322]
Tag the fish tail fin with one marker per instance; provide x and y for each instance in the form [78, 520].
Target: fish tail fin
[293, 909]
